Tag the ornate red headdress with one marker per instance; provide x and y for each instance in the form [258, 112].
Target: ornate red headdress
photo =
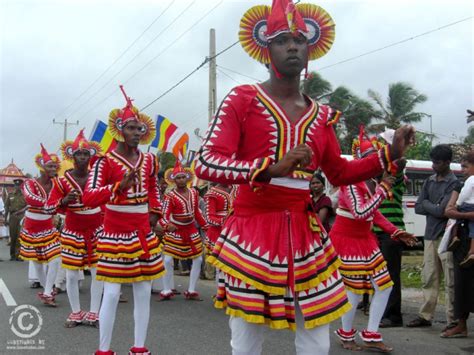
[118, 118]
[44, 158]
[260, 24]
[69, 148]
[172, 173]
[364, 145]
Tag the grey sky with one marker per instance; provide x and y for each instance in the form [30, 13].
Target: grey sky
[52, 50]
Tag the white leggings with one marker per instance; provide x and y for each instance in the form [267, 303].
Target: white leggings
[72, 287]
[141, 312]
[377, 308]
[247, 338]
[168, 279]
[46, 278]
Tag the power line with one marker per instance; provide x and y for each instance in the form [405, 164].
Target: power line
[133, 59]
[188, 75]
[153, 59]
[236, 72]
[396, 43]
[225, 74]
[116, 60]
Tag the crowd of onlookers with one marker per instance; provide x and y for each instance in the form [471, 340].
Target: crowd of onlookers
[441, 198]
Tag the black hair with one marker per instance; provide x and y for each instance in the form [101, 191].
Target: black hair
[468, 157]
[320, 178]
[441, 152]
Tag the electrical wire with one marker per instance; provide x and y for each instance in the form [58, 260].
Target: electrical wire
[116, 60]
[395, 43]
[188, 75]
[134, 58]
[154, 58]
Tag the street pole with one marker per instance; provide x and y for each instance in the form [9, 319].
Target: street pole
[212, 74]
[431, 130]
[65, 124]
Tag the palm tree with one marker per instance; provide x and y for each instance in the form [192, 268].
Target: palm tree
[316, 87]
[401, 102]
[355, 112]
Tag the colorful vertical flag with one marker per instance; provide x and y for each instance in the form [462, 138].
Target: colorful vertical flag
[170, 138]
[101, 134]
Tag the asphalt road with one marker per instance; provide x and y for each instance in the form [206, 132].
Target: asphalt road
[176, 327]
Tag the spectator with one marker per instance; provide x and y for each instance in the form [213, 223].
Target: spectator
[463, 276]
[432, 202]
[322, 204]
[392, 252]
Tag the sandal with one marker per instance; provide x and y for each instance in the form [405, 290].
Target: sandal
[192, 296]
[419, 322]
[373, 341]
[75, 319]
[47, 300]
[348, 339]
[92, 319]
[139, 351]
[165, 296]
[378, 346]
[453, 333]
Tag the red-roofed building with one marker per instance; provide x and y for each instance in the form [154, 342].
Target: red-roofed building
[8, 174]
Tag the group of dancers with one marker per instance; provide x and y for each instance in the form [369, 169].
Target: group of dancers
[276, 263]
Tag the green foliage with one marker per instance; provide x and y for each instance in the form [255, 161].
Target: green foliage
[401, 102]
[167, 160]
[421, 149]
[316, 87]
[470, 136]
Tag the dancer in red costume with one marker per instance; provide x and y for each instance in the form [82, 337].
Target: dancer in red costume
[125, 180]
[81, 229]
[39, 237]
[277, 266]
[182, 239]
[218, 201]
[363, 269]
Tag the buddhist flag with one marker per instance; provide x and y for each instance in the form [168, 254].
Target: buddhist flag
[101, 134]
[170, 138]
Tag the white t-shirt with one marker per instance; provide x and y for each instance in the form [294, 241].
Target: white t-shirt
[467, 193]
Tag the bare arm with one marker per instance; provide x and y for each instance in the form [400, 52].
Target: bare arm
[451, 210]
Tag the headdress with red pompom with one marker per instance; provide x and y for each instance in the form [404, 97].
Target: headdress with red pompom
[44, 158]
[69, 148]
[262, 23]
[118, 118]
[364, 145]
[172, 173]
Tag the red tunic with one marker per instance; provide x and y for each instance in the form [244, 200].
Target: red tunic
[38, 238]
[354, 241]
[128, 249]
[218, 207]
[272, 242]
[82, 225]
[184, 213]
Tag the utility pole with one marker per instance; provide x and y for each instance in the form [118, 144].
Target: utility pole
[212, 73]
[65, 124]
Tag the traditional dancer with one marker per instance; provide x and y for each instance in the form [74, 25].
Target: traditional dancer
[81, 229]
[39, 238]
[277, 266]
[363, 269]
[125, 180]
[218, 201]
[182, 239]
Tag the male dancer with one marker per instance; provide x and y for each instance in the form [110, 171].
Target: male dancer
[125, 181]
[39, 238]
[182, 239]
[277, 266]
[364, 269]
[81, 229]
